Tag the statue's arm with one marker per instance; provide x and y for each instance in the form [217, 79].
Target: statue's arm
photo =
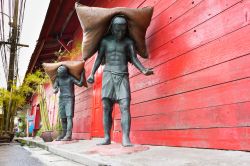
[135, 60]
[78, 82]
[98, 62]
[56, 86]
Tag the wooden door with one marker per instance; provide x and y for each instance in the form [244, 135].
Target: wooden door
[97, 111]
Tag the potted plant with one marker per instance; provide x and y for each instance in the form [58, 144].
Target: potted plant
[57, 129]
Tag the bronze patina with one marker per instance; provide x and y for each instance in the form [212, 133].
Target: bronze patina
[64, 83]
[117, 49]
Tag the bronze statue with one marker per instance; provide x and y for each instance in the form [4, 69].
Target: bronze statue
[65, 83]
[116, 50]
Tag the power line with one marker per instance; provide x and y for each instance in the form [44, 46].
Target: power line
[21, 19]
[16, 9]
[4, 57]
[3, 64]
[10, 11]
[24, 7]
[20, 14]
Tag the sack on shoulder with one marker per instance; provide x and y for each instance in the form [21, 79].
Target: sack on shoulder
[75, 68]
[95, 22]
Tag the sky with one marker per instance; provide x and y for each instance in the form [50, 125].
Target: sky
[35, 12]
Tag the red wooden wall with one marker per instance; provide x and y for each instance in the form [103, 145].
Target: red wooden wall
[199, 95]
[83, 100]
[34, 111]
[34, 115]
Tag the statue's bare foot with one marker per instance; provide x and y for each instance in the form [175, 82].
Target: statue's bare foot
[126, 142]
[66, 139]
[105, 142]
[59, 138]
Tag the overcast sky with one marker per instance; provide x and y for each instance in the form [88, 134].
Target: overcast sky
[34, 16]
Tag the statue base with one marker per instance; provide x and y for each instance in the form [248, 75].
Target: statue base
[63, 142]
[115, 149]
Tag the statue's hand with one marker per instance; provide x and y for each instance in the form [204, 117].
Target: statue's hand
[91, 79]
[148, 72]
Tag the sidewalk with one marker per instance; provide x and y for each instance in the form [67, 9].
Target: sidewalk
[86, 152]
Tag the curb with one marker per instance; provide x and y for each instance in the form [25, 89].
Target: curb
[82, 159]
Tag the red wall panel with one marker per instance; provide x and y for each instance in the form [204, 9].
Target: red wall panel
[200, 13]
[232, 92]
[197, 36]
[233, 138]
[230, 115]
[222, 50]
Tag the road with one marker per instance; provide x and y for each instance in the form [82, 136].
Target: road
[15, 155]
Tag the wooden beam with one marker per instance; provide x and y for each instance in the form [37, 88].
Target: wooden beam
[21, 45]
[64, 45]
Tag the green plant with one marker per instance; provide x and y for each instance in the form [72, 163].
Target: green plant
[43, 109]
[22, 142]
[39, 133]
[16, 98]
[11, 101]
[58, 126]
[23, 119]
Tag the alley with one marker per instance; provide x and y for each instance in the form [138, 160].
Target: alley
[15, 155]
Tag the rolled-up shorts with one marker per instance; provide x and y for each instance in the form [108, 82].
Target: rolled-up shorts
[115, 86]
[66, 107]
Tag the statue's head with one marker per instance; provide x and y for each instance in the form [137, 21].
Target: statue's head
[119, 27]
[62, 71]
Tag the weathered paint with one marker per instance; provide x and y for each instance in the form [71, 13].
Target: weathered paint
[34, 115]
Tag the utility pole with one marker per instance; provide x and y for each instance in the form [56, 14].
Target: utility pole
[13, 47]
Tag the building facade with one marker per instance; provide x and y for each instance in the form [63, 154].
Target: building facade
[199, 95]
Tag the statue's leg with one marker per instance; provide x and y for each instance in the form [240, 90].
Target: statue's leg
[68, 135]
[69, 113]
[125, 121]
[63, 117]
[107, 120]
[64, 129]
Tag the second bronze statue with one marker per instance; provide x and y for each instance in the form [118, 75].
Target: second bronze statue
[65, 83]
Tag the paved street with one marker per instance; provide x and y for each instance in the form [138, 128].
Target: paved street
[15, 155]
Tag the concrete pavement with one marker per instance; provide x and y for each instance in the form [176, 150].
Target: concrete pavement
[48, 158]
[86, 152]
[12, 154]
